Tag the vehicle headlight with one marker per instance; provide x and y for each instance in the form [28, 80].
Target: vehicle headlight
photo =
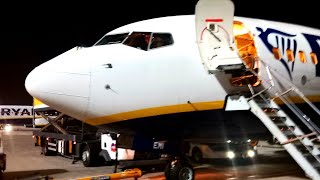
[8, 128]
[251, 153]
[230, 154]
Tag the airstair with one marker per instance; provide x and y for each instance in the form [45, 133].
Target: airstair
[299, 136]
[297, 133]
[217, 41]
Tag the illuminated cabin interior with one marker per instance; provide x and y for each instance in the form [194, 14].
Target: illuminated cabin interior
[246, 48]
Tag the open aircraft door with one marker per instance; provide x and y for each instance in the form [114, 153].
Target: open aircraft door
[214, 30]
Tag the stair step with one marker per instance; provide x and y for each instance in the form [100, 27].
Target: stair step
[270, 109]
[304, 149]
[316, 165]
[279, 123]
[298, 141]
[261, 101]
[309, 157]
[284, 127]
[278, 118]
[300, 146]
[291, 136]
[287, 130]
[312, 160]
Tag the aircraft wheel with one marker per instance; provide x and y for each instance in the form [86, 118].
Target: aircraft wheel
[179, 170]
[36, 141]
[45, 150]
[87, 159]
[197, 155]
[3, 163]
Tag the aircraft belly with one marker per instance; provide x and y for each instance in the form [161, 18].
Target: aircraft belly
[197, 124]
[210, 124]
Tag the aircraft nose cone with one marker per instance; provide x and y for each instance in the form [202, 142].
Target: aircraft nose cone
[60, 88]
[32, 81]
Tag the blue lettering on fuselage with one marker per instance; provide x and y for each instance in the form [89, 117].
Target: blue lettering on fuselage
[287, 41]
[312, 40]
[280, 38]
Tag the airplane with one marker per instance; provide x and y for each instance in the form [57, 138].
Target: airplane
[23, 114]
[16, 111]
[17, 115]
[173, 77]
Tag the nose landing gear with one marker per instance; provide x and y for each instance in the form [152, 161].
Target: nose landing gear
[179, 169]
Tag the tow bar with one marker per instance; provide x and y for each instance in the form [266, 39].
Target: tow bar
[128, 173]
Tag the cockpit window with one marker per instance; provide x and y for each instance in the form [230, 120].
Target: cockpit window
[139, 40]
[161, 39]
[112, 39]
[148, 40]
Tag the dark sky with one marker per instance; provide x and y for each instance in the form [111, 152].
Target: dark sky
[33, 33]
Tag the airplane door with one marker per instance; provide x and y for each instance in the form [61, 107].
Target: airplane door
[214, 31]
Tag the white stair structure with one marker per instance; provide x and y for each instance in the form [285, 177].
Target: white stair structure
[300, 144]
[298, 134]
[238, 64]
[297, 143]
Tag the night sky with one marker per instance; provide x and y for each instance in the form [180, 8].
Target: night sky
[33, 33]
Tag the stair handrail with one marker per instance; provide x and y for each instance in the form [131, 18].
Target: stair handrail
[295, 89]
[303, 117]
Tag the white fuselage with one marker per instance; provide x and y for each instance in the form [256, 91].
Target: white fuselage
[159, 81]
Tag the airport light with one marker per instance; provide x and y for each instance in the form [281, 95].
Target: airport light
[230, 154]
[251, 153]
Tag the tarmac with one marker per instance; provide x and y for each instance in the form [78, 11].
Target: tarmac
[24, 161]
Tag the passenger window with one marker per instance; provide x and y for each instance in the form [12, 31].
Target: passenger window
[139, 40]
[314, 58]
[303, 57]
[160, 40]
[290, 55]
[276, 53]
